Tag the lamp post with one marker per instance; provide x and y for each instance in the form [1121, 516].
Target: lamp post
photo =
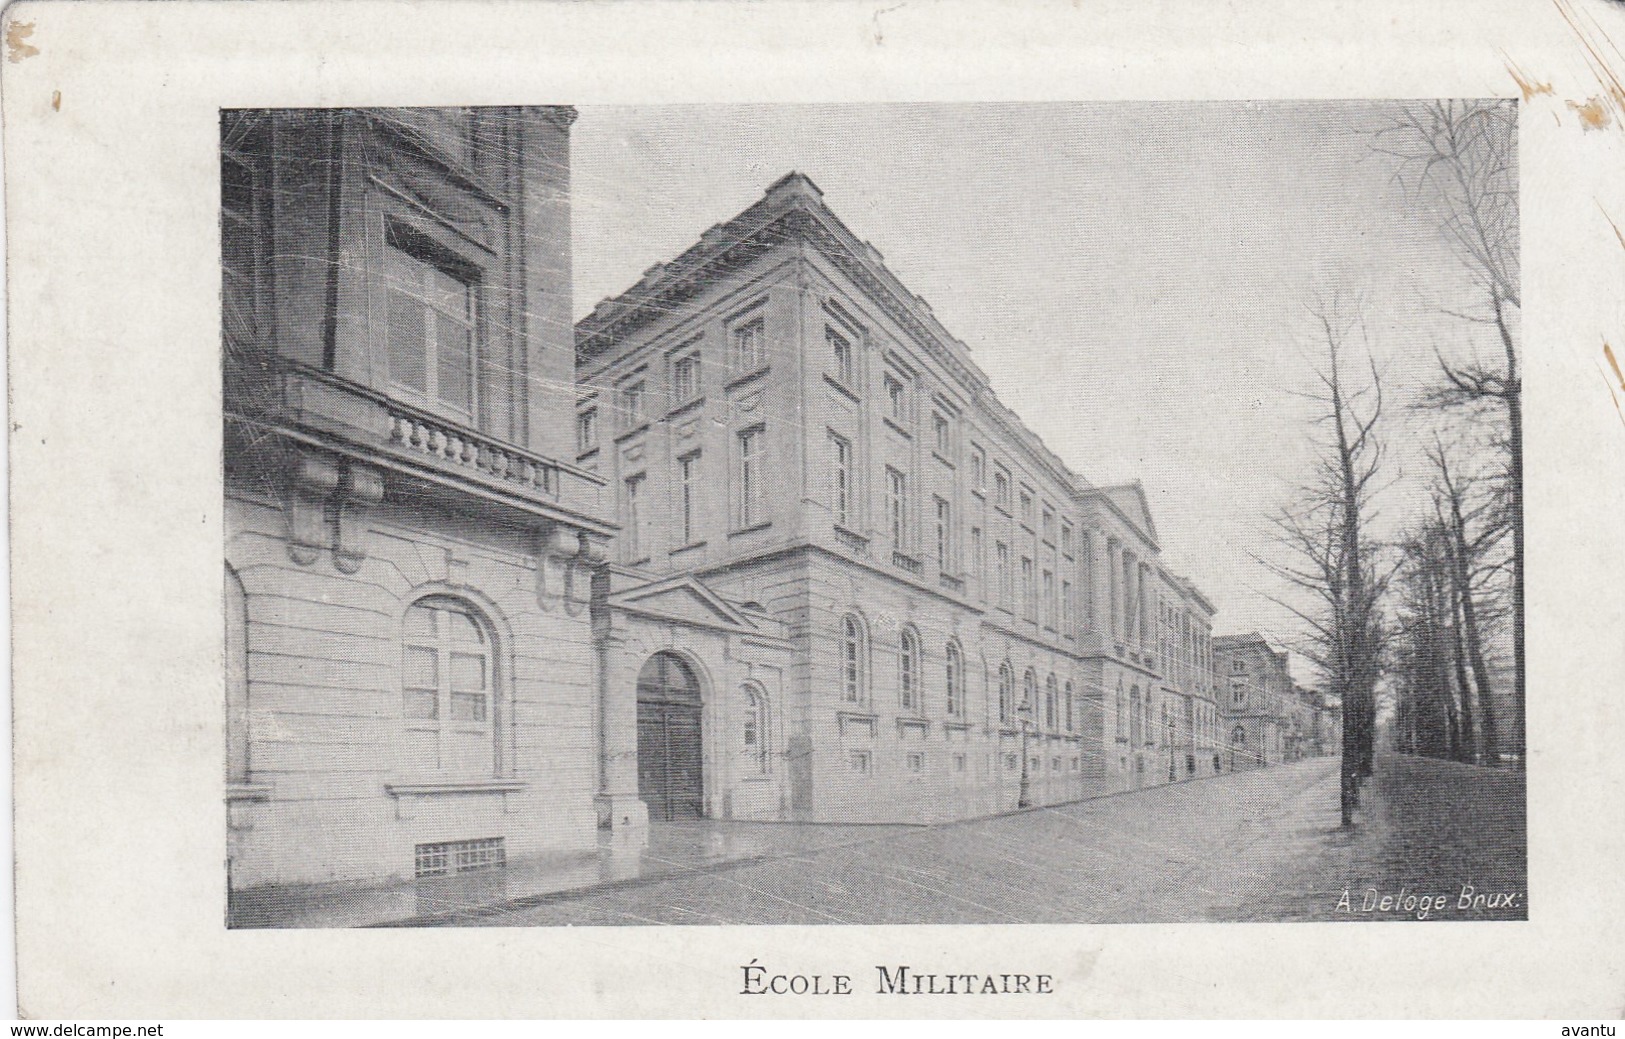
[1025, 711]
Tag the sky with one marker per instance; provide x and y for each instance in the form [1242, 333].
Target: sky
[1133, 277]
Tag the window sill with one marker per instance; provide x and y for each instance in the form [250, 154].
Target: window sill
[939, 456]
[638, 562]
[957, 726]
[686, 406]
[854, 718]
[687, 548]
[248, 791]
[587, 455]
[750, 376]
[641, 427]
[750, 529]
[841, 387]
[430, 786]
[899, 430]
[911, 721]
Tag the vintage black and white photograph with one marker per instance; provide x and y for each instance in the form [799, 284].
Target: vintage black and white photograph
[930, 513]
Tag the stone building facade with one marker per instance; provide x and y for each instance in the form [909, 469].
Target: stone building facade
[411, 555]
[1257, 698]
[755, 540]
[973, 625]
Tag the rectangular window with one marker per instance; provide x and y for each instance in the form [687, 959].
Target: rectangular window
[896, 400]
[944, 537]
[978, 469]
[1001, 489]
[1049, 525]
[632, 404]
[587, 430]
[1026, 512]
[438, 860]
[685, 378]
[1001, 557]
[1048, 605]
[1066, 539]
[1029, 597]
[751, 489]
[750, 344]
[1087, 576]
[840, 491]
[897, 508]
[916, 761]
[858, 761]
[636, 549]
[940, 430]
[840, 356]
[959, 762]
[430, 332]
[1066, 607]
[688, 472]
[976, 553]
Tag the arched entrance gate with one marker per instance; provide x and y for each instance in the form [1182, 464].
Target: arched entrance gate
[671, 778]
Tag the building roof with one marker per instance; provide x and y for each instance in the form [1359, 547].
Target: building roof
[793, 209]
[1128, 500]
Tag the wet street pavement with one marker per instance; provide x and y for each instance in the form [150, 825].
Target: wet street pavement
[1262, 845]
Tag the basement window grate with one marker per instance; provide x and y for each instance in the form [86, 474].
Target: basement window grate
[439, 860]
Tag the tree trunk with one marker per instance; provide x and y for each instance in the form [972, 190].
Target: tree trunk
[1467, 748]
[1514, 399]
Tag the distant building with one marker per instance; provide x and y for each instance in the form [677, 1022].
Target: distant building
[1257, 699]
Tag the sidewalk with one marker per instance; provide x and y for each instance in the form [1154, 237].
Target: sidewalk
[673, 849]
[1262, 845]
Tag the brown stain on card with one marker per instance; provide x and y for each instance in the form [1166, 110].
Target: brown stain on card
[1619, 377]
[1605, 60]
[17, 45]
[1527, 84]
[1593, 114]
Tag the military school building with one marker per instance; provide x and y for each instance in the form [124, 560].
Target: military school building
[754, 540]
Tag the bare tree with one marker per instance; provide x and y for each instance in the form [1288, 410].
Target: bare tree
[1427, 715]
[1328, 552]
[1460, 159]
[1472, 526]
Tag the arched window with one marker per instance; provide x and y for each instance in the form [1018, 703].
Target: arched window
[1051, 704]
[954, 673]
[908, 671]
[447, 682]
[1007, 693]
[1071, 721]
[853, 646]
[755, 733]
[1029, 694]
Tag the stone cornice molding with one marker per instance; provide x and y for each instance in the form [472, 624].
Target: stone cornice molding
[792, 210]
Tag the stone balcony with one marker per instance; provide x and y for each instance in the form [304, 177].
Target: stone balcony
[320, 410]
